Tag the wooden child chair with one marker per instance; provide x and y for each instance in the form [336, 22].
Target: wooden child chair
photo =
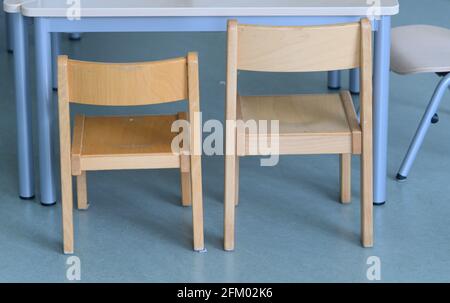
[308, 124]
[144, 142]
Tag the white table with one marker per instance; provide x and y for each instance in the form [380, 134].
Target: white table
[50, 16]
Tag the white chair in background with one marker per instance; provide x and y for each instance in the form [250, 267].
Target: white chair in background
[421, 49]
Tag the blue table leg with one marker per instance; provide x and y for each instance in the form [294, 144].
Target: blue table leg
[334, 79]
[9, 35]
[354, 81]
[55, 53]
[23, 106]
[381, 107]
[45, 110]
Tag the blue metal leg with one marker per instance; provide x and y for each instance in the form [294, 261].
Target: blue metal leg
[45, 111]
[23, 106]
[55, 53]
[334, 79]
[381, 107]
[75, 36]
[9, 34]
[354, 81]
[423, 128]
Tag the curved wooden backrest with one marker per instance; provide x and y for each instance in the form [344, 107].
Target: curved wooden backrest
[124, 84]
[297, 48]
[300, 49]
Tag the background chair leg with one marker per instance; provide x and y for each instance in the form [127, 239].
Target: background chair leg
[236, 198]
[346, 178]
[197, 203]
[185, 180]
[230, 204]
[422, 129]
[82, 192]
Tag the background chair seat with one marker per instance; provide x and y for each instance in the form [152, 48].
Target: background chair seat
[420, 49]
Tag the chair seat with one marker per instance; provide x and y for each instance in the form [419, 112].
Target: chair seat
[308, 124]
[420, 49]
[123, 142]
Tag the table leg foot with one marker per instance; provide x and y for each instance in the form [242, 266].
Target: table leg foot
[27, 198]
[48, 204]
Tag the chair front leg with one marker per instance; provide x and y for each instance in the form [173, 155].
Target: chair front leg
[230, 203]
[197, 202]
[67, 209]
[366, 199]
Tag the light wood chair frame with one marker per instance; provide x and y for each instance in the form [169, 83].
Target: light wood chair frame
[129, 84]
[302, 49]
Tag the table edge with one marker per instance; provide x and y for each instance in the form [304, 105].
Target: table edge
[211, 12]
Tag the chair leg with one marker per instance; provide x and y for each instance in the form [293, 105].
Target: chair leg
[346, 178]
[82, 192]
[67, 210]
[422, 129]
[367, 199]
[185, 169]
[197, 202]
[230, 204]
[236, 199]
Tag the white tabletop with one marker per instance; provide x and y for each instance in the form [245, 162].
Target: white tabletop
[136, 8]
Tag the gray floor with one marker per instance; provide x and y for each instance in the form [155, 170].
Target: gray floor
[290, 227]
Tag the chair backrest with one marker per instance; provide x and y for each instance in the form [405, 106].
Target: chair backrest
[299, 49]
[129, 84]
[296, 48]
[123, 84]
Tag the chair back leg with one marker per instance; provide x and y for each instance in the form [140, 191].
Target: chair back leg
[346, 178]
[185, 168]
[82, 192]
